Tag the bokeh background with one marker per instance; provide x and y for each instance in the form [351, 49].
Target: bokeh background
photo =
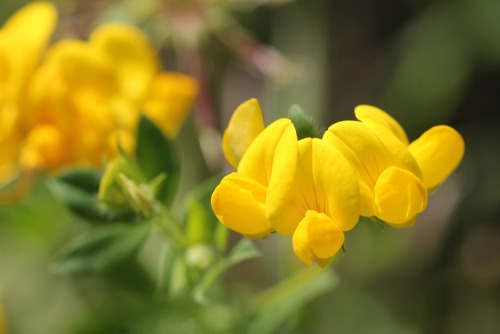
[425, 62]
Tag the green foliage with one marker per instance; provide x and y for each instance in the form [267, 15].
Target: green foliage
[278, 304]
[244, 250]
[101, 249]
[77, 189]
[303, 125]
[158, 155]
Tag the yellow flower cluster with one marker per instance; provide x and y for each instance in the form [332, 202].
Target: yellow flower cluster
[316, 189]
[72, 103]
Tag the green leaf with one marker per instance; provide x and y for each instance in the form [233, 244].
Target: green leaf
[86, 179]
[84, 203]
[304, 127]
[101, 249]
[244, 250]
[278, 304]
[157, 154]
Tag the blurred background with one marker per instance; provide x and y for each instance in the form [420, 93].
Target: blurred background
[424, 62]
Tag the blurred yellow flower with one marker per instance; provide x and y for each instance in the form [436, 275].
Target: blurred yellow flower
[85, 98]
[94, 92]
[23, 40]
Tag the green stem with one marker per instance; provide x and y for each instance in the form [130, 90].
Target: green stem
[170, 227]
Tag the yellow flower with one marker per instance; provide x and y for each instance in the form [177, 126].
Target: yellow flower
[23, 39]
[395, 177]
[93, 92]
[314, 196]
[240, 199]
[302, 188]
[438, 151]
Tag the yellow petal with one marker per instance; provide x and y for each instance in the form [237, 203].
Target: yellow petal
[244, 126]
[239, 203]
[169, 101]
[365, 152]
[399, 196]
[438, 152]
[324, 182]
[281, 209]
[376, 118]
[133, 56]
[335, 184]
[46, 147]
[317, 236]
[23, 40]
[257, 162]
[81, 66]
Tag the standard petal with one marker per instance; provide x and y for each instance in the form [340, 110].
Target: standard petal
[132, 54]
[335, 185]
[239, 203]
[317, 236]
[399, 196]
[257, 162]
[376, 118]
[365, 152]
[438, 152]
[246, 123]
[281, 210]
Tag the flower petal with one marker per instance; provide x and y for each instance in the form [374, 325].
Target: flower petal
[365, 152]
[376, 118]
[239, 203]
[399, 196]
[257, 162]
[438, 152]
[317, 236]
[335, 185]
[82, 66]
[170, 100]
[244, 126]
[133, 56]
[281, 210]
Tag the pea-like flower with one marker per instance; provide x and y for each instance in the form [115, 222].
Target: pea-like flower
[302, 188]
[395, 176]
[316, 189]
[240, 199]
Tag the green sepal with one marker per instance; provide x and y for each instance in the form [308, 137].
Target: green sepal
[155, 155]
[304, 127]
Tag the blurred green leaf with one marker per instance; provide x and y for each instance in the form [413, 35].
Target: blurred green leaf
[84, 203]
[200, 220]
[198, 227]
[101, 249]
[243, 250]
[157, 154]
[274, 306]
[304, 127]
[84, 178]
